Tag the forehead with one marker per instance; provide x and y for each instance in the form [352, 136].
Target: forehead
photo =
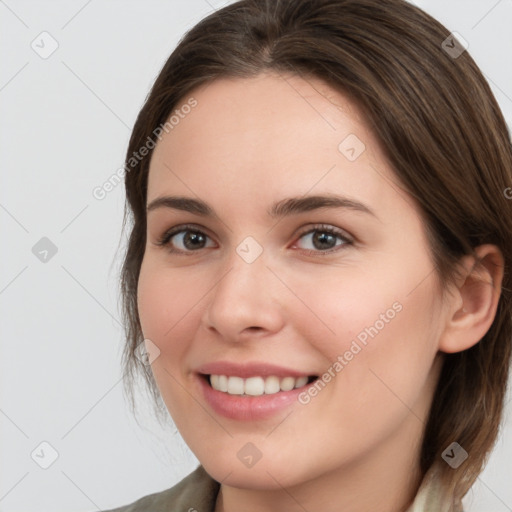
[264, 134]
[268, 109]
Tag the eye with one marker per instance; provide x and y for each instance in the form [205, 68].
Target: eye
[318, 239]
[324, 239]
[185, 239]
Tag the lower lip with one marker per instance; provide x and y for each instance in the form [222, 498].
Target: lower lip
[248, 408]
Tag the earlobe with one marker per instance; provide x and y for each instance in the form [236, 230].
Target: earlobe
[475, 301]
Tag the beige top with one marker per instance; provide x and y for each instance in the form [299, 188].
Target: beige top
[197, 492]
[429, 497]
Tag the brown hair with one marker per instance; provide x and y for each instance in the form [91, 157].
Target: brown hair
[438, 124]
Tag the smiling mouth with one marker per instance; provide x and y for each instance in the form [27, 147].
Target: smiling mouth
[256, 386]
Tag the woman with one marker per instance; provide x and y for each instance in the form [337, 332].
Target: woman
[318, 264]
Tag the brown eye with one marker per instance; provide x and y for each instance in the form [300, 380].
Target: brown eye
[185, 240]
[322, 239]
[193, 240]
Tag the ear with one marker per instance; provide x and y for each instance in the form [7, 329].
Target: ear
[474, 301]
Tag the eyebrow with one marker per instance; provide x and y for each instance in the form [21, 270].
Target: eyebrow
[294, 205]
[285, 207]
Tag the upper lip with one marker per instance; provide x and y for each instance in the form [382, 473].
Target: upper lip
[245, 370]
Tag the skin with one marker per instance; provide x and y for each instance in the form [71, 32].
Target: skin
[355, 446]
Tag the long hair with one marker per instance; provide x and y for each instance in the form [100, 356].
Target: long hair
[441, 130]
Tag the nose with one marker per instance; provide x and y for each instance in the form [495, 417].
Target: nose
[246, 302]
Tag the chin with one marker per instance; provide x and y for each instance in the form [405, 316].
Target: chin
[262, 476]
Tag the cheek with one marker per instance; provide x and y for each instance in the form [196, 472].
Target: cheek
[166, 305]
[354, 304]
[377, 330]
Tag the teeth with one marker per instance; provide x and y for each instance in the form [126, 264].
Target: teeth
[272, 385]
[255, 386]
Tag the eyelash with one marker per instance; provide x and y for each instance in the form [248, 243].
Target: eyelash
[165, 239]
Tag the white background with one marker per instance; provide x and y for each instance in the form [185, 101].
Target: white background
[65, 124]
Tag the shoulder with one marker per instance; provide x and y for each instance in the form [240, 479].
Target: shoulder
[197, 492]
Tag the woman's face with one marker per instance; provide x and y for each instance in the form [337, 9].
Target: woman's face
[295, 255]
